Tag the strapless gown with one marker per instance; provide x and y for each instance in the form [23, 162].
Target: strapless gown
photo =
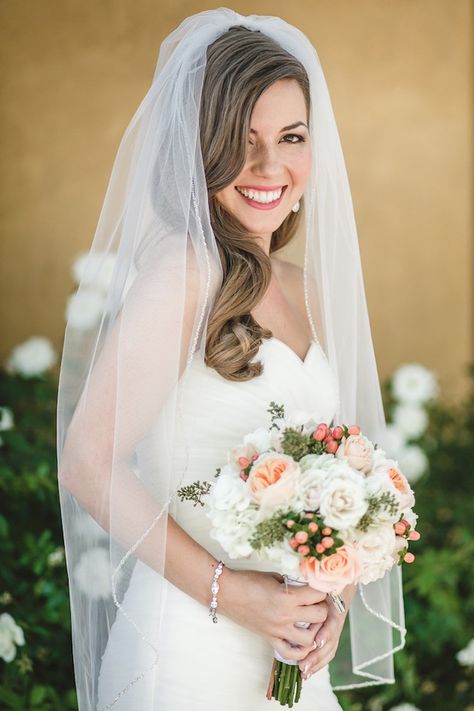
[223, 666]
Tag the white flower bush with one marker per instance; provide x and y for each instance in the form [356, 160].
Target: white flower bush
[84, 308]
[31, 358]
[11, 636]
[404, 707]
[466, 656]
[413, 383]
[95, 563]
[56, 558]
[94, 269]
[392, 440]
[6, 419]
[413, 462]
[410, 420]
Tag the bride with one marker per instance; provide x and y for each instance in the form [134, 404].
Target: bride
[203, 325]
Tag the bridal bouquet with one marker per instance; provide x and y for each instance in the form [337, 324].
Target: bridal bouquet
[326, 505]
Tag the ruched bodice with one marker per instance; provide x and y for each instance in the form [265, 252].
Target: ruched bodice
[217, 413]
[204, 666]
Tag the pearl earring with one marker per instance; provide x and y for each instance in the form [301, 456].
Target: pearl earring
[296, 206]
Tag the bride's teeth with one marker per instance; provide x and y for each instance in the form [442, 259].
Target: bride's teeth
[260, 195]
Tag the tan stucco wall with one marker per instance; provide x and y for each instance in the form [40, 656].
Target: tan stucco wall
[400, 76]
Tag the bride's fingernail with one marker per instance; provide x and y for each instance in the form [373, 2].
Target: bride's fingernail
[321, 643]
[305, 669]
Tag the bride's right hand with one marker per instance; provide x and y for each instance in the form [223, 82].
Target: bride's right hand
[262, 603]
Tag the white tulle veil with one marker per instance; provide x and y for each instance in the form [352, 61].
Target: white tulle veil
[122, 379]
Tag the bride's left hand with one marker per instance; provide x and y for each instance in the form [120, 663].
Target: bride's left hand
[327, 637]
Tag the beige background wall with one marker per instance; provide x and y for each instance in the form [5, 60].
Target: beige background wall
[400, 75]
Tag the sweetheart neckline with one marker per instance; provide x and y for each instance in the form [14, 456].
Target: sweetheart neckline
[302, 361]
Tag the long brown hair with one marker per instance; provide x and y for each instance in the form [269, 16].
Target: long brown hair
[241, 64]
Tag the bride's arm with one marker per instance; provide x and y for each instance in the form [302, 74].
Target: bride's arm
[254, 600]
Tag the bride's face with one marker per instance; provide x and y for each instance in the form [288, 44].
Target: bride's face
[278, 160]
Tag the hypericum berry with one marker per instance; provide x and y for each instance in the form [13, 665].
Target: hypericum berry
[303, 550]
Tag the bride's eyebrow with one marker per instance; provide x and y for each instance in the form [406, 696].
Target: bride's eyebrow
[285, 128]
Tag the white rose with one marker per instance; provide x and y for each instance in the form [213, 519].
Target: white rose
[413, 462]
[376, 549]
[343, 500]
[392, 440]
[10, 635]
[466, 656]
[310, 488]
[233, 530]
[6, 419]
[228, 492]
[56, 557]
[94, 269]
[261, 439]
[410, 419]
[413, 383]
[377, 484]
[31, 358]
[93, 573]
[84, 309]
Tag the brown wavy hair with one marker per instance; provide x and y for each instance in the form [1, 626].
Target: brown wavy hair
[241, 64]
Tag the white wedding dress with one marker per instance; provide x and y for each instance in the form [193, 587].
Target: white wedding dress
[205, 666]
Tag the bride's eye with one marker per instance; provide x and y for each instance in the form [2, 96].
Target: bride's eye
[295, 135]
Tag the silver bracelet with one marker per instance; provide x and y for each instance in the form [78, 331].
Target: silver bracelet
[215, 590]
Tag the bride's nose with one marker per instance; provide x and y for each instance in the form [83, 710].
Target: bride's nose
[267, 161]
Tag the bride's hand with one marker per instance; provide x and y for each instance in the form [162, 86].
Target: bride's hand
[327, 637]
[262, 603]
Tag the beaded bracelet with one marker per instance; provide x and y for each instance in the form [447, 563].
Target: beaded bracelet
[215, 590]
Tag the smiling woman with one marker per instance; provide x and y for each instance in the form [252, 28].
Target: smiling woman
[223, 147]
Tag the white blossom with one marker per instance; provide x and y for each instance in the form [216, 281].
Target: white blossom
[32, 357]
[413, 462]
[94, 269]
[93, 573]
[404, 707]
[376, 548]
[413, 383]
[84, 308]
[86, 526]
[410, 419]
[343, 500]
[56, 557]
[466, 656]
[392, 440]
[11, 635]
[6, 419]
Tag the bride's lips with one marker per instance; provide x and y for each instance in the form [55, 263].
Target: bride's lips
[263, 205]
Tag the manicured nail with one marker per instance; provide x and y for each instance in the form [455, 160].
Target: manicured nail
[321, 643]
[305, 668]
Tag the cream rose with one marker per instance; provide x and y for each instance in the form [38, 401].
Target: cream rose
[272, 479]
[343, 501]
[376, 550]
[358, 451]
[333, 572]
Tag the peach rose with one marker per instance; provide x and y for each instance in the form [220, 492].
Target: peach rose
[400, 482]
[333, 572]
[272, 479]
[358, 451]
